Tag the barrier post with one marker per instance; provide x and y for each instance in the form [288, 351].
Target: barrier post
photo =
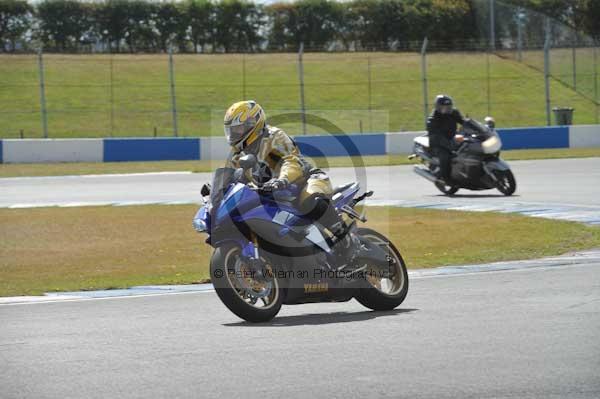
[42, 94]
[173, 100]
[424, 80]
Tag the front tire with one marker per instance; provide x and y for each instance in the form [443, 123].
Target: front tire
[506, 183]
[379, 294]
[238, 298]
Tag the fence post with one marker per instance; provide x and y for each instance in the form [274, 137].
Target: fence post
[173, 100]
[244, 76]
[547, 71]
[424, 79]
[596, 79]
[489, 89]
[112, 98]
[42, 94]
[369, 90]
[520, 35]
[492, 27]
[574, 61]
[301, 78]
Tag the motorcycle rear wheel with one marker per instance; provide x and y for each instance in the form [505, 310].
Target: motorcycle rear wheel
[384, 293]
[239, 299]
[447, 189]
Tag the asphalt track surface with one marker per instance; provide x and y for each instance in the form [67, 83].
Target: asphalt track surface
[530, 333]
[571, 182]
[516, 334]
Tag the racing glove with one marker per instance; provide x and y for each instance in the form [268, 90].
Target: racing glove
[275, 184]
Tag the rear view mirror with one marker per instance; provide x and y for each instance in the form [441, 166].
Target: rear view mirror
[247, 161]
[205, 190]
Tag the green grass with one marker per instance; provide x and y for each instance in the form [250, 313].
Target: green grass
[577, 75]
[82, 101]
[60, 169]
[59, 249]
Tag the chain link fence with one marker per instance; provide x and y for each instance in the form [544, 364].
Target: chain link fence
[104, 95]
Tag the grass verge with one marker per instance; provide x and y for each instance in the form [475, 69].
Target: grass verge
[83, 168]
[60, 249]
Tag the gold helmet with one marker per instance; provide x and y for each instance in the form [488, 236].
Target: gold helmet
[243, 123]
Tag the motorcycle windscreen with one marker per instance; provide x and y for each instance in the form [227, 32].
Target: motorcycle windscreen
[222, 178]
[471, 126]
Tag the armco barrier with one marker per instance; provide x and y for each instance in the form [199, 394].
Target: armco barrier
[161, 149]
[535, 137]
[512, 139]
[340, 145]
[151, 149]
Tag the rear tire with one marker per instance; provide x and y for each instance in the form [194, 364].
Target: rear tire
[449, 190]
[506, 182]
[372, 297]
[221, 264]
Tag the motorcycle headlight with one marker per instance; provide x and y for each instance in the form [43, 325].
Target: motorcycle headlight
[199, 225]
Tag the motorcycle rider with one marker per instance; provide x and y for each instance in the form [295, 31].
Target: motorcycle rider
[247, 132]
[441, 129]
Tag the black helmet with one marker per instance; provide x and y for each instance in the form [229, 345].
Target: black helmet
[443, 104]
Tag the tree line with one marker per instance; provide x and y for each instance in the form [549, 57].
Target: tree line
[244, 26]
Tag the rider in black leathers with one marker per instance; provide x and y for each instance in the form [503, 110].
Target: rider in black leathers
[441, 129]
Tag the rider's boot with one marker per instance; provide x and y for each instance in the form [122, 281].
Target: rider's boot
[344, 243]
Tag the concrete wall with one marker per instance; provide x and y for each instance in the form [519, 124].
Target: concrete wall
[584, 136]
[400, 143]
[54, 150]
[216, 148]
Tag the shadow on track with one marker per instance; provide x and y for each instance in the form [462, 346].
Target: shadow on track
[321, 318]
[475, 196]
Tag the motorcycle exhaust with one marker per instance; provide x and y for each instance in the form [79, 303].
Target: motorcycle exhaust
[425, 173]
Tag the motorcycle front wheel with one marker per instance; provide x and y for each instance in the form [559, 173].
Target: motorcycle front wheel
[253, 297]
[506, 183]
[384, 293]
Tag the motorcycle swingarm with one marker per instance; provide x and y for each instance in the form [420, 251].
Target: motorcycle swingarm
[371, 254]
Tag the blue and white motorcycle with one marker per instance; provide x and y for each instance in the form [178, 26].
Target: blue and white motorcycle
[267, 253]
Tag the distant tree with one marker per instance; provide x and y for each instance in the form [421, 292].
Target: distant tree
[237, 24]
[377, 23]
[169, 24]
[280, 36]
[63, 24]
[142, 34]
[15, 20]
[199, 17]
[112, 19]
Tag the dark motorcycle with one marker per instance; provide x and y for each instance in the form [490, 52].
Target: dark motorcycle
[475, 164]
[267, 253]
